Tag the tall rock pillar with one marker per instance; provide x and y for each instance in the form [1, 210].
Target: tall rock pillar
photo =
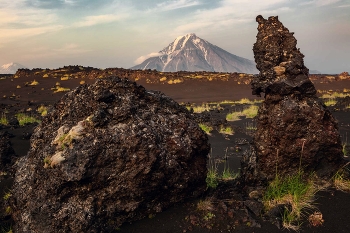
[294, 128]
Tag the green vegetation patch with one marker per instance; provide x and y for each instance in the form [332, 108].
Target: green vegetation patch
[226, 130]
[42, 110]
[233, 116]
[206, 128]
[330, 102]
[251, 112]
[3, 119]
[25, 119]
[295, 192]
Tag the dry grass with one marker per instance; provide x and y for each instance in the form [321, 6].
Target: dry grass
[61, 89]
[341, 179]
[34, 83]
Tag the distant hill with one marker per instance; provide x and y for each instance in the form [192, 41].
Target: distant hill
[191, 53]
[10, 68]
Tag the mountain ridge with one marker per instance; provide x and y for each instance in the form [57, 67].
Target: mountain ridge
[191, 53]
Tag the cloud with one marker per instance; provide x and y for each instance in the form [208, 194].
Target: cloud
[344, 6]
[229, 13]
[176, 4]
[145, 57]
[320, 2]
[71, 48]
[99, 19]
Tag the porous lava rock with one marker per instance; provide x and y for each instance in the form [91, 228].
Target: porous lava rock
[108, 153]
[294, 128]
[7, 154]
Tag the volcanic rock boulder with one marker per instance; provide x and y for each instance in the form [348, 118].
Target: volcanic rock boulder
[108, 153]
[7, 154]
[294, 128]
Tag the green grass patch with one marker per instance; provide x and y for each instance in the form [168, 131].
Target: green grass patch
[206, 128]
[233, 116]
[212, 179]
[25, 119]
[42, 110]
[333, 95]
[251, 112]
[226, 130]
[201, 108]
[3, 119]
[330, 102]
[295, 191]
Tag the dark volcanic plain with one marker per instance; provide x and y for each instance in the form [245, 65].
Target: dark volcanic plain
[18, 94]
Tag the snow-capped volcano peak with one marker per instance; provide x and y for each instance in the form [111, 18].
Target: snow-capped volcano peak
[191, 53]
[10, 68]
[180, 43]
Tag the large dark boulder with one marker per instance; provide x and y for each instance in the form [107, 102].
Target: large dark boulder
[7, 154]
[295, 130]
[108, 153]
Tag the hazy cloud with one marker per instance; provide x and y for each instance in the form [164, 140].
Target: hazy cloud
[145, 57]
[320, 2]
[176, 4]
[99, 19]
[228, 13]
[71, 48]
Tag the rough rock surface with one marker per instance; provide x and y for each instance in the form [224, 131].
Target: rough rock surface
[108, 153]
[7, 154]
[293, 126]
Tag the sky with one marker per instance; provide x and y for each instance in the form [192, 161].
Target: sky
[116, 33]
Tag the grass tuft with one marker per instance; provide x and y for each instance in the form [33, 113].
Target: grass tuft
[42, 110]
[341, 179]
[212, 179]
[251, 112]
[34, 83]
[226, 130]
[295, 191]
[206, 128]
[233, 116]
[3, 119]
[61, 89]
[25, 119]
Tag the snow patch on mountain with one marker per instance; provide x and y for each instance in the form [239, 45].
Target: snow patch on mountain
[10, 68]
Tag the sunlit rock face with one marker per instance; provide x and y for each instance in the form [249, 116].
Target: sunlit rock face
[295, 130]
[108, 153]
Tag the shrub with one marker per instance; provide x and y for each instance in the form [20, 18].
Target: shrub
[45, 76]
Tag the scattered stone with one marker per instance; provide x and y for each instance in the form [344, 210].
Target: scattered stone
[108, 153]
